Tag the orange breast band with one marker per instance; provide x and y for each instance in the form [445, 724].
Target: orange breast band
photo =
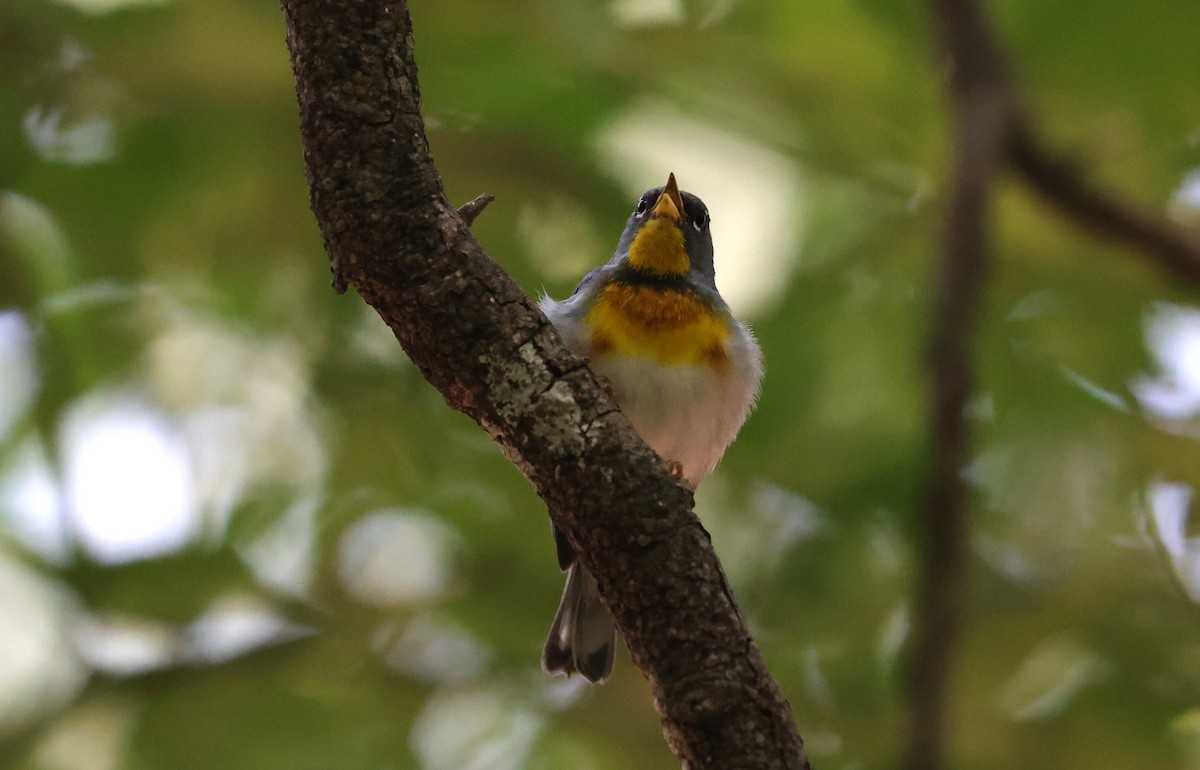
[668, 326]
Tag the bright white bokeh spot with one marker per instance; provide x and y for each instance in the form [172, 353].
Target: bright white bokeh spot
[396, 557]
[755, 195]
[475, 730]
[31, 504]
[234, 626]
[99, 7]
[18, 371]
[39, 671]
[437, 650]
[1173, 333]
[283, 557]
[125, 646]
[1170, 506]
[79, 143]
[647, 13]
[758, 540]
[128, 479]
[245, 406]
[1185, 204]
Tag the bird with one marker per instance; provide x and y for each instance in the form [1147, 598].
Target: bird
[652, 325]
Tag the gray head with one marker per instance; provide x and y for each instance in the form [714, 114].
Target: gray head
[667, 236]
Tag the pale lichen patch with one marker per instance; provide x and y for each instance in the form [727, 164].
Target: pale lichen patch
[562, 413]
[528, 397]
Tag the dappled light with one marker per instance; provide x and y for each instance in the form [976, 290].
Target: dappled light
[18, 370]
[78, 124]
[1185, 204]
[1173, 394]
[392, 558]
[1050, 676]
[39, 669]
[475, 729]
[238, 529]
[108, 6]
[1171, 513]
[127, 482]
[433, 649]
[647, 13]
[85, 140]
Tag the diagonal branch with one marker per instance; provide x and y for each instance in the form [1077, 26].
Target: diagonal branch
[1175, 248]
[393, 236]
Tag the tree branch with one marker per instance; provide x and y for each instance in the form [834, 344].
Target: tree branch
[985, 112]
[473, 208]
[1175, 248]
[391, 234]
[940, 595]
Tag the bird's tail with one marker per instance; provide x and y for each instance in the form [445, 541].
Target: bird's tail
[583, 637]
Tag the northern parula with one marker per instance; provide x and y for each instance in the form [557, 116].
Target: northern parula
[684, 371]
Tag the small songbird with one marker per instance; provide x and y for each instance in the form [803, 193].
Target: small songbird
[685, 372]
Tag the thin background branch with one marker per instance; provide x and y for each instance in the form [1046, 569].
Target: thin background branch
[1174, 248]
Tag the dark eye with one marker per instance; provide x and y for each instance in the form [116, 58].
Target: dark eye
[641, 207]
[700, 221]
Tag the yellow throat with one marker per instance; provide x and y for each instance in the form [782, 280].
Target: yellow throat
[658, 248]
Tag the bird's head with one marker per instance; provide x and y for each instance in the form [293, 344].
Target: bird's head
[668, 235]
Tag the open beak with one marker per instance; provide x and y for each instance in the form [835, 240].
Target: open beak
[669, 203]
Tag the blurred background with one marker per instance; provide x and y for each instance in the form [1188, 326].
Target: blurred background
[238, 530]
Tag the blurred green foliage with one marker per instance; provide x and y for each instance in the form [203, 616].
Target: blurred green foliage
[238, 530]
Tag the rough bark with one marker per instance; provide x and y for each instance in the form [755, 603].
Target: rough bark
[393, 236]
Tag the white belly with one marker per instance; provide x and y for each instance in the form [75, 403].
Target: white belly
[687, 414]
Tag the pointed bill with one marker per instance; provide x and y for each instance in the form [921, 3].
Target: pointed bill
[670, 202]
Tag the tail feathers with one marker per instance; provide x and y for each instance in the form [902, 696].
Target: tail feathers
[582, 638]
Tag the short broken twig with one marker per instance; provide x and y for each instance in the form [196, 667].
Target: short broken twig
[473, 208]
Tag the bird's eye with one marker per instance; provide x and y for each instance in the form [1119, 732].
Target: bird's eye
[641, 208]
[700, 221]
